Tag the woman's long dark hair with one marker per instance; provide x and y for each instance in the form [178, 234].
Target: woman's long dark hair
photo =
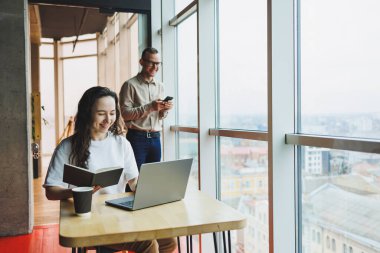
[81, 138]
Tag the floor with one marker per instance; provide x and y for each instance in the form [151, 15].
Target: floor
[45, 211]
[44, 238]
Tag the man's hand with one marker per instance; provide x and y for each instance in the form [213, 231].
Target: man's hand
[168, 105]
[158, 105]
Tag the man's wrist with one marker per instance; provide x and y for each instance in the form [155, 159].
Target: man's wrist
[149, 107]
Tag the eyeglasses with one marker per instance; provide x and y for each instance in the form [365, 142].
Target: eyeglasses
[152, 63]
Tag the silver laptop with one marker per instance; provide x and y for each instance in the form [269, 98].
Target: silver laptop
[158, 183]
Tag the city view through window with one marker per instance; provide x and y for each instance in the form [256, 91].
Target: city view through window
[339, 59]
[340, 189]
[340, 195]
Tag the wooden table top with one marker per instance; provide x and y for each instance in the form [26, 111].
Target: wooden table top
[197, 213]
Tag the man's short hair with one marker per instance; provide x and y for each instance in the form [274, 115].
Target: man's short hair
[149, 50]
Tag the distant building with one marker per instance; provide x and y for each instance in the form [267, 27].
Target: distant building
[321, 161]
[246, 181]
[315, 161]
[335, 220]
[255, 237]
[339, 162]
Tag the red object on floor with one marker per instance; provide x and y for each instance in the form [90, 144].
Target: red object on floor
[43, 239]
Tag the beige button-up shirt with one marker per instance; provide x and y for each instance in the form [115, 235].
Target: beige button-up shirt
[136, 96]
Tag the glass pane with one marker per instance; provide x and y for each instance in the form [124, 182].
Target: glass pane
[188, 147]
[117, 24]
[46, 40]
[340, 200]
[47, 50]
[181, 4]
[187, 72]
[339, 63]
[134, 53]
[79, 75]
[243, 64]
[81, 37]
[118, 82]
[48, 140]
[244, 186]
[81, 48]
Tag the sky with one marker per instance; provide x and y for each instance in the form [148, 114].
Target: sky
[339, 56]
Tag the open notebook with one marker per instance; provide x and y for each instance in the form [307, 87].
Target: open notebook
[159, 183]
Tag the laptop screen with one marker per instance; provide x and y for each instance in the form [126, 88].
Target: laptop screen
[160, 183]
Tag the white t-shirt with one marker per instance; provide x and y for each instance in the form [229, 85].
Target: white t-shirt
[112, 151]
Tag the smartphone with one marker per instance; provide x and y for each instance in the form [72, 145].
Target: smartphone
[167, 99]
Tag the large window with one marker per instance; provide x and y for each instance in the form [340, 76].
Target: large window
[187, 72]
[243, 64]
[78, 60]
[77, 79]
[339, 62]
[339, 86]
[244, 186]
[79, 70]
[118, 50]
[48, 140]
[288, 124]
[243, 105]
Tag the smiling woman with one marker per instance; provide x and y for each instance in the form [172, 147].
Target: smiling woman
[103, 117]
[98, 142]
[93, 121]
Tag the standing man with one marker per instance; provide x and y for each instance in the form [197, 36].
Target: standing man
[143, 109]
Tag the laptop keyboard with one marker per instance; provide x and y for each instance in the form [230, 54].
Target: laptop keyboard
[128, 204]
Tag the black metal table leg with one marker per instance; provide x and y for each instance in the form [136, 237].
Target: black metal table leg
[191, 244]
[224, 242]
[187, 244]
[179, 244]
[215, 244]
[229, 241]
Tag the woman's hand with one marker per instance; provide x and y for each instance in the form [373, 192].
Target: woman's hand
[132, 184]
[57, 193]
[96, 188]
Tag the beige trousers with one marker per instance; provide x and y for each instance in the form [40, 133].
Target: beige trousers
[167, 245]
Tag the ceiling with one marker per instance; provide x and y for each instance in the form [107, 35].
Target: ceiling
[63, 21]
